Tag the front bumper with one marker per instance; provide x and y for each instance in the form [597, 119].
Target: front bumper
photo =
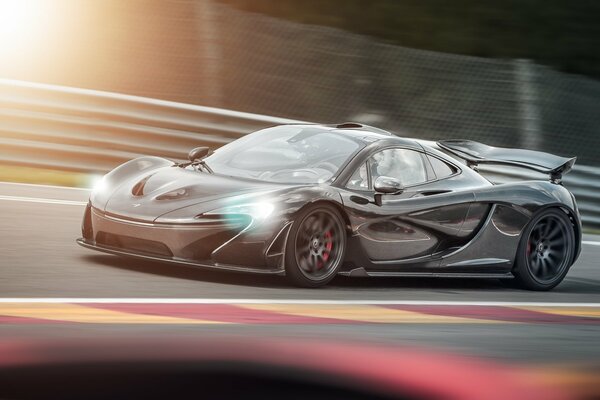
[82, 242]
[220, 243]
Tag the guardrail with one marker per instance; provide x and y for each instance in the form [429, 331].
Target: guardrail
[92, 131]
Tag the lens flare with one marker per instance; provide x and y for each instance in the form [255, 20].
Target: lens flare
[22, 23]
[98, 183]
[258, 211]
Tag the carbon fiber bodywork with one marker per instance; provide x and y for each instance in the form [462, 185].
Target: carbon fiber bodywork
[457, 225]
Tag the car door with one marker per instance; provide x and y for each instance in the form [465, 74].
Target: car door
[407, 226]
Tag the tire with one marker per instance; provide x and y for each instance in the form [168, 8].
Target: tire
[546, 251]
[316, 246]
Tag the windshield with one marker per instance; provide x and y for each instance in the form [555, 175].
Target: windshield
[286, 154]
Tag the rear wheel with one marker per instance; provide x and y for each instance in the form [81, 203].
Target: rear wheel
[316, 246]
[546, 251]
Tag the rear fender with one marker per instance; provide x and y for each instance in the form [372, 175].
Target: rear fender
[528, 197]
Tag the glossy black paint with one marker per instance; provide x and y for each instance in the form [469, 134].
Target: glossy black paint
[458, 225]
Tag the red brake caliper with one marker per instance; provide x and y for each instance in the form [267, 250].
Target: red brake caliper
[328, 245]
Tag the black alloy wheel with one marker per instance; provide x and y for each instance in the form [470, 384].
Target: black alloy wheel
[546, 251]
[316, 247]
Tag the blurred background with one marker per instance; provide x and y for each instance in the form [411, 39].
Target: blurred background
[506, 73]
[513, 73]
[88, 84]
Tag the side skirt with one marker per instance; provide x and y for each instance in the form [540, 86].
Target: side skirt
[363, 272]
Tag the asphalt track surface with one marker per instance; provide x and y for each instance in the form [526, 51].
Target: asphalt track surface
[39, 259]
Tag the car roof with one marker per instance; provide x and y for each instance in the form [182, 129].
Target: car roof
[367, 134]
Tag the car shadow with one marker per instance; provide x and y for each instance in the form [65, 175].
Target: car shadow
[571, 284]
[339, 283]
[179, 271]
[440, 284]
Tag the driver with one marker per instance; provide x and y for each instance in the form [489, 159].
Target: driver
[399, 164]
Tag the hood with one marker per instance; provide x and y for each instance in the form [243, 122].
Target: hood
[154, 193]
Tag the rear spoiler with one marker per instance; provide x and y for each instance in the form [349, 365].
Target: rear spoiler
[475, 153]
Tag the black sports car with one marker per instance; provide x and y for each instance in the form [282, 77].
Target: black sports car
[312, 201]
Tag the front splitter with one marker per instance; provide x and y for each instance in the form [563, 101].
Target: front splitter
[222, 267]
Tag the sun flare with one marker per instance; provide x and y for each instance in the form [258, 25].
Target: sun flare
[21, 22]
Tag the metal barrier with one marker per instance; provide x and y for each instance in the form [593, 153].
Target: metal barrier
[91, 131]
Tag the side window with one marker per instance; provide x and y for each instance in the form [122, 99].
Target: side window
[360, 179]
[407, 166]
[440, 168]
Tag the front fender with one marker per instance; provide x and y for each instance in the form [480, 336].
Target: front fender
[112, 180]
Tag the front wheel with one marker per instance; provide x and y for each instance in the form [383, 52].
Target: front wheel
[316, 246]
[546, 251]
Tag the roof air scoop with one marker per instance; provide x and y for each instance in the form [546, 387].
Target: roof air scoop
[349, 125]
[356, 125]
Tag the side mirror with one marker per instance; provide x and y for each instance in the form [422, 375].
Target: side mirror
[198, 153]
[386, 185]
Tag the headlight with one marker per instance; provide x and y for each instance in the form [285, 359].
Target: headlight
[258, 211]
[99, 184]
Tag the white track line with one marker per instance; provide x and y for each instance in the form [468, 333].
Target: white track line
[591, 243]
[290, 301]
[41, 200]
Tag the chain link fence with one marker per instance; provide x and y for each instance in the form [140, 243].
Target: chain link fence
[323, 74]
[208, 53]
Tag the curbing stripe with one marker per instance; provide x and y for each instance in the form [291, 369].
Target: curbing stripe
[289, 314]
[83, 314]
[368, 314]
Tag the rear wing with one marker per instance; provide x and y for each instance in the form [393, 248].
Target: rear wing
[475, 153]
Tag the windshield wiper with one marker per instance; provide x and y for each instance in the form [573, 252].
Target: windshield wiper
[204, 165]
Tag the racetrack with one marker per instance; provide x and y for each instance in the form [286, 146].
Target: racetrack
[40, 259]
